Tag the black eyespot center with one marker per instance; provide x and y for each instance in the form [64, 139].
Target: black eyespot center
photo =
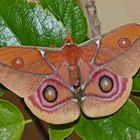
[106, 84]
[50, 93]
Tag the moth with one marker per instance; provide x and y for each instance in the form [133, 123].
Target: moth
[94, 77]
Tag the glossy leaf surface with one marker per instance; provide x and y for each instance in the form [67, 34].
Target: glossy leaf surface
[11, 121]
[23, 23]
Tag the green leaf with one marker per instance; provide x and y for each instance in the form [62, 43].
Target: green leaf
[70, 15]
[23, 23]
[60, 132]
[136, 83]
[11, 121]
[7, 37]
[123, 125]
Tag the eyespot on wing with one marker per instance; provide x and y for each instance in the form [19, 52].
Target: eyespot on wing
[63, 109]
[97, 103]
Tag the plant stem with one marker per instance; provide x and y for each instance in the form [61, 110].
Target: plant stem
[90, 11]
[28, 121]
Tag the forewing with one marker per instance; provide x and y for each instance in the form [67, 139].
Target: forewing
[22, 69]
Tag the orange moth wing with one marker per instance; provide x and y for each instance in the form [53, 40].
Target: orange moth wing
[24, 59]
[117, 42]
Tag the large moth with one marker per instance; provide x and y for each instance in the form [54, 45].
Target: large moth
[94, 77]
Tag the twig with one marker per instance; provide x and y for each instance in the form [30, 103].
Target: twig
[90, 12]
